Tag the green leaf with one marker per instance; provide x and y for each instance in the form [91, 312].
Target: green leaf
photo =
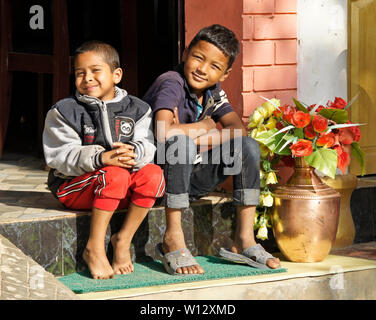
[298, 132]
[291, 140]
[300, 106]
[315, 108]
[273, 140]
[324, 160]
[337, 115]
[352, 101]
[266, 166]
[344, 125]
[359, 155]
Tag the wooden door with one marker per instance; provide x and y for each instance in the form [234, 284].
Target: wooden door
[362, 77]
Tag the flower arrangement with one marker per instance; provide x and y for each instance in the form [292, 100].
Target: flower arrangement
[322, 134]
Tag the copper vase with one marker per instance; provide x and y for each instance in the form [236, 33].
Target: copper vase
[305, 215]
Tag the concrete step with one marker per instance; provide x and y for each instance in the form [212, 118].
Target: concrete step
[55, 237]
[337, 277]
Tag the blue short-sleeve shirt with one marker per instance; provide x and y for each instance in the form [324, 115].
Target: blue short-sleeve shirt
[171, 90]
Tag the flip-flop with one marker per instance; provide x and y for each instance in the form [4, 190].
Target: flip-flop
[175, 259]
[254, 256]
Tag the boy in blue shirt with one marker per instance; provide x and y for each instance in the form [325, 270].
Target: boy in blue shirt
[187, 104]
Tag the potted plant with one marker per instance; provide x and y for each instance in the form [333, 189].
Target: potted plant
[317, 137]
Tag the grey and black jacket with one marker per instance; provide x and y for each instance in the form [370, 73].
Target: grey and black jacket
[80, 128]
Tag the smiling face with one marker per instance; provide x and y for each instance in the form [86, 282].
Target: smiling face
[204, 66]
[94, 76]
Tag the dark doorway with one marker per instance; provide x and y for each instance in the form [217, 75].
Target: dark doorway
[148, 34]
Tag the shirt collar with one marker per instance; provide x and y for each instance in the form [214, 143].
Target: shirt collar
[207, 94]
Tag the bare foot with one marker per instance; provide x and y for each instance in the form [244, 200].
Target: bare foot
[175, 241]
[98, 263]
[122, 262]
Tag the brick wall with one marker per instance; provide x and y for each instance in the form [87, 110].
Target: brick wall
[269, 46]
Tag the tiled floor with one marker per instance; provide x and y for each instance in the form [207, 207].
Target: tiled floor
[23, 190]
[22, 174]
[358, 250]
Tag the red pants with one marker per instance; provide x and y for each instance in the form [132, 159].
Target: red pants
[111, 188]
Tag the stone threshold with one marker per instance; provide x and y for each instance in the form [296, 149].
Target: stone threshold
[337, 277]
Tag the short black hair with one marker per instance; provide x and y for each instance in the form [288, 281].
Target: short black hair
[108, 52]
[221, 37]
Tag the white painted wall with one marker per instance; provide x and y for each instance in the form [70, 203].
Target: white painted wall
[322, 50]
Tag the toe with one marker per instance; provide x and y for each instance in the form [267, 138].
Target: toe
[185, 270]
[273, 263]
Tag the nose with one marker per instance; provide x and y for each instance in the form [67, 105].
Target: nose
[88, 77]
[202, 68]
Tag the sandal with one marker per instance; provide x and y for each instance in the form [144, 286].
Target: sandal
[175, 259]
[254, 256]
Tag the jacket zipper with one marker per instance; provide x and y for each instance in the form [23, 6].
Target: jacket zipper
[106, 124]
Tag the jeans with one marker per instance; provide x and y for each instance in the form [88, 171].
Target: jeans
[187, 181]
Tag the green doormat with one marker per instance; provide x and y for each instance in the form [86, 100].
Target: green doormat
[148, 274]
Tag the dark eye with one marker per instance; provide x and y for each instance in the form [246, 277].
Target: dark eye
[197, 57]
[216, 67]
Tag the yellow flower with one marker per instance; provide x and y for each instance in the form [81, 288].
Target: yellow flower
[263, 111]
[270, 124]
[255, 132]
[271, 178]
[262, 233]
[255, 119]
[262, 174]
[270, 107]
[256, 217]
[264, 151]
[266, 200]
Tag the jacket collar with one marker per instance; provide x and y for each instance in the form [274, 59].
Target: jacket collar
[119, 95]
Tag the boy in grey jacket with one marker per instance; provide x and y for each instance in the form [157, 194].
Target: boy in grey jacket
[99, 145]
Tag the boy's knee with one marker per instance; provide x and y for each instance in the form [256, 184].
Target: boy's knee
[153, 174]
[116, 175]
[180, 149]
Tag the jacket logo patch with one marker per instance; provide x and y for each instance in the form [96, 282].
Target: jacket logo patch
[124, 127]
[89, 134]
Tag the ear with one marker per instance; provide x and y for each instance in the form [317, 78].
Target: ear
[225, 75]
[117, 75]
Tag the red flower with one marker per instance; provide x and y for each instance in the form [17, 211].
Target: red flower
[318, 109]
[301, 119]
[356, 132]
[343, 158]
[279, 125]
[320, 124]
[345, 136]
[287, 113]
[302, 148]
[278, 113]
[348, 135]
[338, 103]
[309, 132]
[326, 140]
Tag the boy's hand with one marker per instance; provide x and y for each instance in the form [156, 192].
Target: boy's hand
[208, 123]
[176, 116]
[121, 156]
